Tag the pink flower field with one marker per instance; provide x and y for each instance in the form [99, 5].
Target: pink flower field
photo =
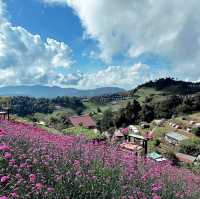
[36, 164]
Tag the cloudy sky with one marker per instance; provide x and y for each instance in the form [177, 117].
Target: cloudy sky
[95, 43]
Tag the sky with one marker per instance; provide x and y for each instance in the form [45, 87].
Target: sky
[97, 43]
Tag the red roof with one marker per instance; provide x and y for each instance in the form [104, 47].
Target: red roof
[85, 120]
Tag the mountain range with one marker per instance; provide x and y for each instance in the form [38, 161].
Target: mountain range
[52, 92]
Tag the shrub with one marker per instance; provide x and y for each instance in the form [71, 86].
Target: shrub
[196, 131]
[156, 142]
[190, 146]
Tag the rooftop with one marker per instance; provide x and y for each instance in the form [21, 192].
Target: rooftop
[176, 136]
[84, 120]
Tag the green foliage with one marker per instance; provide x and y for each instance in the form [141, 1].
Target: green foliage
[128, 115]
[190, 146]
[156, 142]
[70, 102]
[24, 106]
[196, 131]
[89, 133]
[59, 121]
[107, 120]
[98, 110]
[147, 113]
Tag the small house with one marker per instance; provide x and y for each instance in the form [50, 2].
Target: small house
[134, 130]
[197, 125]
[156, 157]
[175, 138]
[83, 120]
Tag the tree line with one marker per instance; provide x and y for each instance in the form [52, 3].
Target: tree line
[24, 105]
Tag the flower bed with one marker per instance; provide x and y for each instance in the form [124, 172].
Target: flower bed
[37, 164]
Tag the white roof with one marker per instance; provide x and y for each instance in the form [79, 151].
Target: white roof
[133, 127]
[136, 136]
[176, 136]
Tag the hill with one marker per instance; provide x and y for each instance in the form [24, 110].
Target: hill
[162, 88]
[52, 92]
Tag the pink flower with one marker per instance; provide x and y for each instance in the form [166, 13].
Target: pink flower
[3, 197]
[14, 194]
[76, 163]
[50, 189]
[2, 133]
[5, 179]
[139, 193]
[38, 186]
[156, 187]
[4, 148]
[32, 178]
[148, 135]
[8, 155]
[125, 131]
[156, 197]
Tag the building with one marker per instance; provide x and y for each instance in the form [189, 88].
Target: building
[83, 120]
[175, 138]
[156, 157]
[134, 130]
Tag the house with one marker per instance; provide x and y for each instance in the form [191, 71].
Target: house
[175, 138]
[197, 125]
[134, 130]
[156, 157]
[83, 120]
[185, 158]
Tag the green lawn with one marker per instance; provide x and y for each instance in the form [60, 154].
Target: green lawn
[89, 133]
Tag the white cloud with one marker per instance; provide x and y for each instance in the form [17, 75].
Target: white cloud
[27, 59]
[126, 77]
[170, 28]
[56, 2]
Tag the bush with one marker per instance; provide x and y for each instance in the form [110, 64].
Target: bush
[196, 131]
[156, 142]
[190, 146]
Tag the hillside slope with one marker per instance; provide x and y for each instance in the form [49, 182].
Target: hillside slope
[164, 87]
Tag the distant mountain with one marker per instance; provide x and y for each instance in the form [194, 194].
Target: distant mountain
[51, 92]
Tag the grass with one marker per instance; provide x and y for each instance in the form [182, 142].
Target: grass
[89, 133]
[144, 92]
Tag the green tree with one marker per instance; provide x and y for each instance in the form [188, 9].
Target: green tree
[108, 121]
[147, 113]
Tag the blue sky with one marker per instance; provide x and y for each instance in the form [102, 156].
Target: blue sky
[91, 43]
[58, 22]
